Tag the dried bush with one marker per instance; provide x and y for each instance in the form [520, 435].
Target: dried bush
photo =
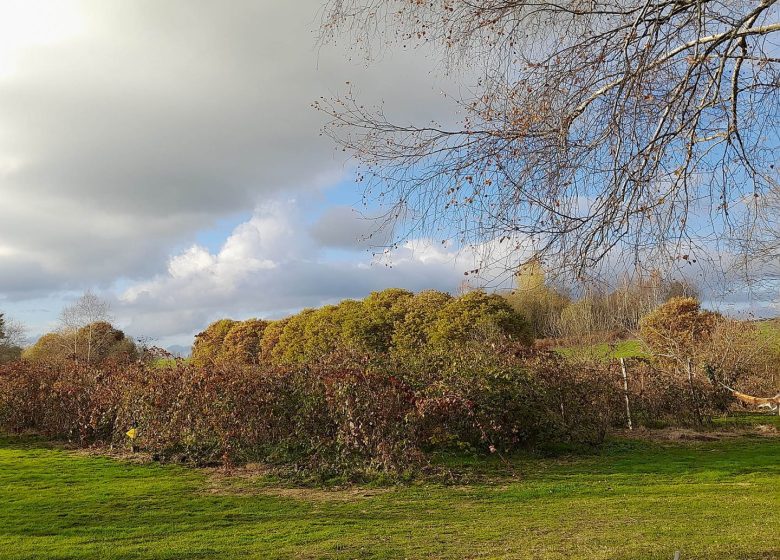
[347, 414]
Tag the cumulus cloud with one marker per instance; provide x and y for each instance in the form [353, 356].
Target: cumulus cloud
[135, 125]
[271, 266]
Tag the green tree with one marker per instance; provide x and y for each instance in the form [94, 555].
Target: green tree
[51, 347]
[208, 344]
[94, 343]
[677, 332]
[291, 347]
[412, 333]
[371, 329]
[271, 336]
[325, 332]
[241, 344]
[477, 316]
[539, 304]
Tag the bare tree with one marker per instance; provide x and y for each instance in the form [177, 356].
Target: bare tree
[80, 322]
[640, 128]
[12, 338]
[760, 245]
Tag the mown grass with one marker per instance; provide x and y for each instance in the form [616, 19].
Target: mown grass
[632, 348]
[633, 499]
[770, 330]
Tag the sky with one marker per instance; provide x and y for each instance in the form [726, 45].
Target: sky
[165, 155]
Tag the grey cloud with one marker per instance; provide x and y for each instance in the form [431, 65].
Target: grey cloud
[161, 119]
[344, 227]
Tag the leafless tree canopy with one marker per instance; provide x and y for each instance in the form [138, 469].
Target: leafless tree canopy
[645, 128]
[79, 324]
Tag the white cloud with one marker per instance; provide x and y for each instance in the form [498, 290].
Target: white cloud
[271, 266]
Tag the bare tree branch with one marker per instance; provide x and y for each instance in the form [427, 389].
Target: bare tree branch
[644, 128]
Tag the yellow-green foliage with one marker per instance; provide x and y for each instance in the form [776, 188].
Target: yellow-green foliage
[478, 316]
[675, 329]
[242, 342]
[208, 344]
[371, 328]
[50, 347]
[291, 348]
[392, 320]
[579, 318]
[324, 332]
[93, 343]
[101, 341]
[412, 333]
[539, 304]
[271, 335]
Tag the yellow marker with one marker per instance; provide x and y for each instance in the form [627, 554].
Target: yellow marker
[132, 433]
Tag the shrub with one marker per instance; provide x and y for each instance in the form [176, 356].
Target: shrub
[241, 344]
[675, 330]
[477, 316]
[50, 347]
[271, 336]
[91, 344]
[208, 344]
[291, 346]
[370, 327]
[412, 333]
[366, 387]
[345, 415]
[677, 333]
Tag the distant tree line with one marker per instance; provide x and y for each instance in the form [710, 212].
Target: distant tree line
[596, 312]
[85, 335]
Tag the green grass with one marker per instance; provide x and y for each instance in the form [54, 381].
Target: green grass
[716, 500]
[770, 330]
[631, 348]
[742, 420]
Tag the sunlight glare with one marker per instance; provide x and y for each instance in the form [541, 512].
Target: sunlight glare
[29, 24]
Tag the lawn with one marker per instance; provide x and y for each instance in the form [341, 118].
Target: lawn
[631, 348]
[770, 329]
[634, 499]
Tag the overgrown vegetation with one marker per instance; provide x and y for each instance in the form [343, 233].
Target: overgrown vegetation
[352, 390]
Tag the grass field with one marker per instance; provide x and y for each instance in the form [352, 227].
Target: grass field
[635, 499]
[632, 348]
[771, 331]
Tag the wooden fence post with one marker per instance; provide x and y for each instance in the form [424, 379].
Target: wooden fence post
[625, 393]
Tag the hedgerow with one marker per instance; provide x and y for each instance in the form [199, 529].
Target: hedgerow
[366, 386]
[349, 414]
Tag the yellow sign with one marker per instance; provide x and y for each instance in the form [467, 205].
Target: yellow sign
[132, 433]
